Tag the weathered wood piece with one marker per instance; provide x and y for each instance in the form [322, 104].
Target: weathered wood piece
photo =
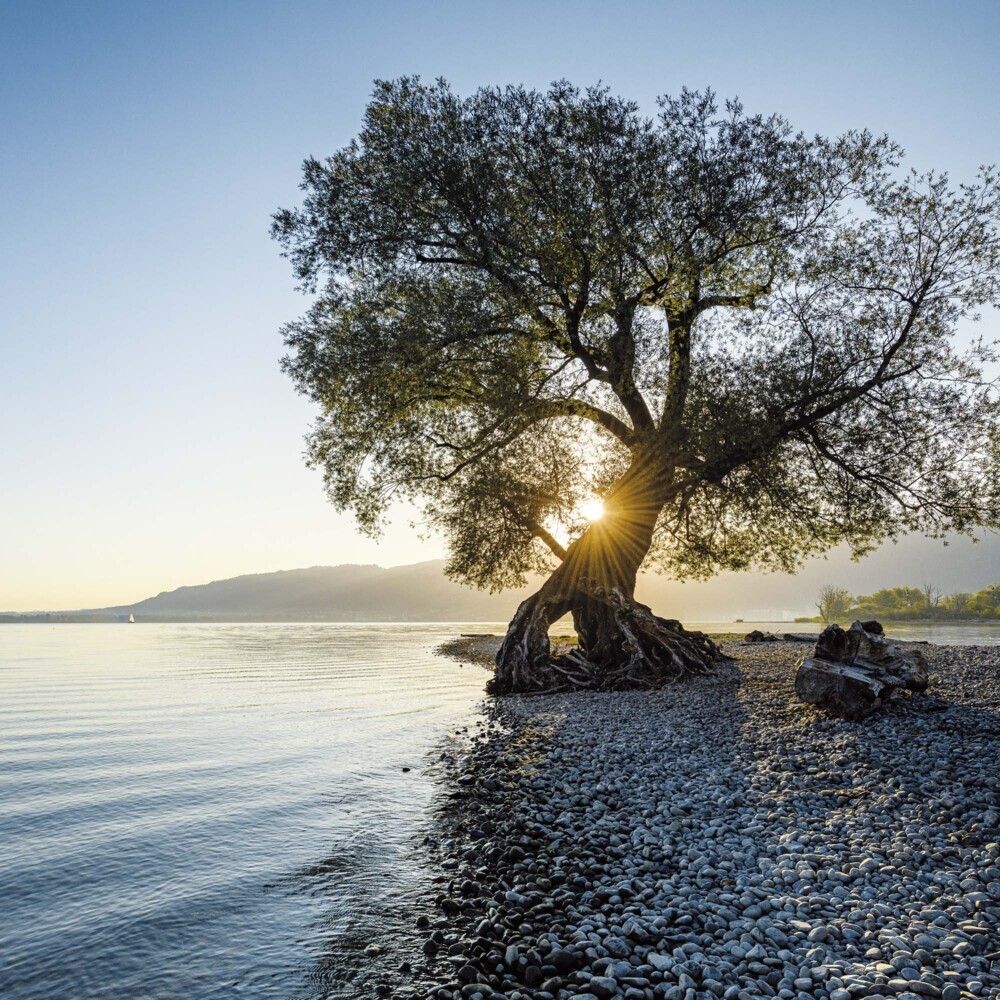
[757, 636]
[855, 672]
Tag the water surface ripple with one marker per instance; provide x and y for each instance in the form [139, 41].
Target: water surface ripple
[213, 810]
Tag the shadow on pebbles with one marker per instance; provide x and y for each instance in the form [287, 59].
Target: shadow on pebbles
[719, 839]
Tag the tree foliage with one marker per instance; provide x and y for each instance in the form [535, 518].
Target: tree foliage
[521, 295]
[906, 602]
[833, 603]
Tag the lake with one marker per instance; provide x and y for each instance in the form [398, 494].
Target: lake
[206, 811]
[213, 810]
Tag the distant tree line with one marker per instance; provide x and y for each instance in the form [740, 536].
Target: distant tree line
[907, 603]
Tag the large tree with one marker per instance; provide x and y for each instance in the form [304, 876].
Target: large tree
[740, 338]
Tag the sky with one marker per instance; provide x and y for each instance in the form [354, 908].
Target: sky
[149, 439]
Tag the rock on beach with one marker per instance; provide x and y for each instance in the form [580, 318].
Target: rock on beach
[719, 839]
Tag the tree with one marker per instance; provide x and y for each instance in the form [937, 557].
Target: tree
[893, 601]
[932, 595]
[834, 603]
[986, 602]
[737, 336]
[958, 603]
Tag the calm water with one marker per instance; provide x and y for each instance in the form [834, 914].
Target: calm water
[213, 810]
[220, 810]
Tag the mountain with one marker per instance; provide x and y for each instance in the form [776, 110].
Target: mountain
[418, 592]
[421, 591]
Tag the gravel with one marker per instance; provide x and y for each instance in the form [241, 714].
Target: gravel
[720, 839]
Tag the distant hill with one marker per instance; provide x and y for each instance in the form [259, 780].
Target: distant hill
[419, 592]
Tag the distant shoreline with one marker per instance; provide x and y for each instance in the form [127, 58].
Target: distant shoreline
[889, 619]
[723, 627]
[56, 618]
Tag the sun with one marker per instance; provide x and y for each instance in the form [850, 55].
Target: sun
[592, 510]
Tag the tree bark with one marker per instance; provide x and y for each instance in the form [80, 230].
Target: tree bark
[622, 644]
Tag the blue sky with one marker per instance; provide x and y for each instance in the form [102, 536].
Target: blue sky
[149, 439]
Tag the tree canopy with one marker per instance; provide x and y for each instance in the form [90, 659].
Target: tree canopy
[833, 603]
[907, 602]
[521, 295]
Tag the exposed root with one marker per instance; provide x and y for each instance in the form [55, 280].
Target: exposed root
[523, 660]
[636, 649]
[657, 650]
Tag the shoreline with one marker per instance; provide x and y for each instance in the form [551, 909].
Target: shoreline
[889, 620]
[718, 839]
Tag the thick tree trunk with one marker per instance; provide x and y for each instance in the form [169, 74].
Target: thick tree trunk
[622, 643]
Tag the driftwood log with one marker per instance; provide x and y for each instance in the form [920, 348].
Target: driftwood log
[757, 636]
[852, 673]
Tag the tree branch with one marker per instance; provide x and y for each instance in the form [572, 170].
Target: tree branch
[745, 301]
[621, 368]
[587, 411]
[549, 540]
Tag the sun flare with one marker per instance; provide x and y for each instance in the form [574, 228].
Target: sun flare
[592, 510]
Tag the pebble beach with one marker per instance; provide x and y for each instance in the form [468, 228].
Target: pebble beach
[718, 839]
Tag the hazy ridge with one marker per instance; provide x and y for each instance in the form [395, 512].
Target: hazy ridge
[417, 592]
[421, 591]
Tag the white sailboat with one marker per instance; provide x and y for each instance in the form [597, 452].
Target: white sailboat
[131, 619]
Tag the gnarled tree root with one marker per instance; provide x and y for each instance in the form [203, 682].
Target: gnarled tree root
[637, 649]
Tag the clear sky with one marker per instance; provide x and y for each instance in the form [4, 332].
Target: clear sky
[148, 437]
